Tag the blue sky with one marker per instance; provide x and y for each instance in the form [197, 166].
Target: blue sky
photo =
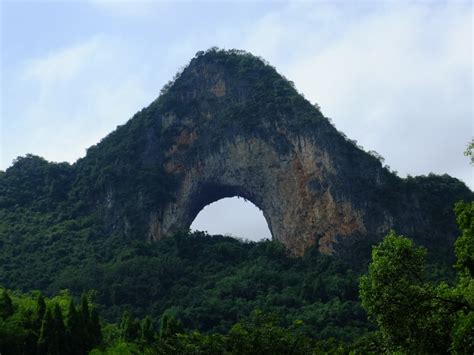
[395, 76]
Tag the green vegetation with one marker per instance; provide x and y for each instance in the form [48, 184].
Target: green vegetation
[33, 183]
[50, 242]
[229, 295]
[208, 282]
[81, 228]
[414, 315]
[469, 152]
[32, 324]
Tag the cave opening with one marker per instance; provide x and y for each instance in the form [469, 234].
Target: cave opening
[235, 217]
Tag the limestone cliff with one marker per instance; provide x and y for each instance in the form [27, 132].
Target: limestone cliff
[230, 125]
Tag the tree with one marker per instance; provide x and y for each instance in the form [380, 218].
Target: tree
[84, 316]
[40, 310]
[21, 334]
[262, 334]
[402, 303]
[464, 245]
[85, 309]
[463, 329]
[53, 333]
[170, 326]
[147, 331]
[46, 333]
[416, 316]
[377, 156]
[6, 304]
[95, 330]
[90, 325]
[129, 327]
[469, 152]
[58, 344]
[75, 339]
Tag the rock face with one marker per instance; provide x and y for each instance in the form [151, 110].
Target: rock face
[230, 125]
[280, 185]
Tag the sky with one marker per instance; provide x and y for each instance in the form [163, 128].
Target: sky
[395, 76]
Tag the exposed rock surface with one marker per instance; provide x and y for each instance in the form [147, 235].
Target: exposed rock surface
[278, 184]
[230, 125]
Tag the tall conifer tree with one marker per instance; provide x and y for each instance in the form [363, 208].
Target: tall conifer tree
[46, 333]
[58, 344]
[75, 340]
[6, 304]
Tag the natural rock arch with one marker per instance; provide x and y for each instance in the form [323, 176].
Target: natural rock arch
[234, 217]
[277, 184]
[230, 125]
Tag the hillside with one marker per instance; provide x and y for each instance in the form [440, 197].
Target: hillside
[228, 125]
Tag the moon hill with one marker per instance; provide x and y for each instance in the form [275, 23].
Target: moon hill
[230, 125]
[114, 225]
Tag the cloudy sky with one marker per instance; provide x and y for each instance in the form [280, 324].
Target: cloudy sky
[395, 76]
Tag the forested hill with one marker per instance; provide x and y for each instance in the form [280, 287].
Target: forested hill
[174, 156]
[187, 149]
[86, 226]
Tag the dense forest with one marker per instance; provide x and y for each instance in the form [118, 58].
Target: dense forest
[273, 305]
[75, 277]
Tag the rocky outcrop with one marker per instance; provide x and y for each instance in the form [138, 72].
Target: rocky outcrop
[230, 125]
[280, 185]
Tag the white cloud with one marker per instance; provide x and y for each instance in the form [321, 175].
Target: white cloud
[63, 65]
[75, 96]
[397, 78]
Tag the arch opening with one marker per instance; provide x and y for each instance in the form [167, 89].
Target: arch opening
[234, 216]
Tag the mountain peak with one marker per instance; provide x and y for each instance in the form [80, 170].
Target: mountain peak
[230, 58]
[230, 125]
[222, 72]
